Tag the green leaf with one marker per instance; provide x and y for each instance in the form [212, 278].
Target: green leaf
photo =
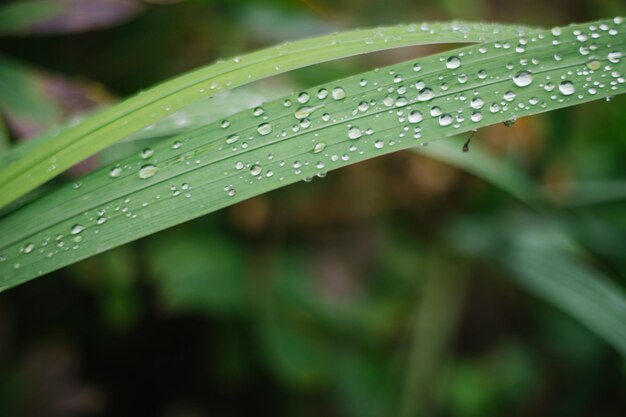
[308, 134]
[32, 164]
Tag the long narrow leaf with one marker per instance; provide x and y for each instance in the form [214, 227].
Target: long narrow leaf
[309, 134]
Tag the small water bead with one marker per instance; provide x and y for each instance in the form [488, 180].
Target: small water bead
[445, 119]
[398, 79]
[115, 172]
[494, 108]
[146, 153]
[258, 111]
[415, 116]
[388, 101]
[28, 248]
[354, 132]
[303, 97]
[147, 171]
[567, 88]
[339, 93]
[363, 82]
[435, 111]
[523, 78]
[417, 67]
[322, 93]
[304, 112]
[230, 191]
[287, 103]
[510, 122]
[477, 103]
[264, 129]
[101, 220]
[462, 78]
[614, 57]
[177, 144]
[509, 96]
[76, 229]
[425, 94]
[476, 116]
[319, 147]
[224, 124]
[363, 106]
[401, 101]
[232, 139]
[453, 62]
[255, 170]
[482, 74]
[594, 65]
[379, 144]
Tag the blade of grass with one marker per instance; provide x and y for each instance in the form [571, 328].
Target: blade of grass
[34, 163]
[286, 141]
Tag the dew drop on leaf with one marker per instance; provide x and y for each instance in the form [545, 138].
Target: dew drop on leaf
[523, 78]
[567, 88]
[115, 172]
[264, 129]
[147, 171]
[339, 93]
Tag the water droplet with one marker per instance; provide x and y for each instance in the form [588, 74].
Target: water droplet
[379, 144]
[477, 103]
[417, 67]
[76, 229]
[339, 93]
[509, 96]
[476, 116]
[445, 120]
[523, 78]
[101, 220]
[230, 191]
[28, 248]
[425, 94]
[303, 97]
[319, 147]
[322, 93]
[115, 172]
[354, 132]
[177, 144]
[304, 112]
[416, 116]
[264, 129]
[147, 171]
[146, 153]
[614, 57]
[255, 170]
[258, 111]
[232, 139]
[453, 62]
[225, 124]
[594, 65]
[567, 88]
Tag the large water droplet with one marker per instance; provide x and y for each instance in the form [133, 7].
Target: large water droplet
[115, 172]
[615, 57]
[445, 119]
[523, 78]
[567, 88]
[425, 94]
[76, 229]
[416, 116]
[477, 103]
[339, 93]
[264, 129]
[147, 171]
[354, 132]
[255, 170]
[304, 112]
[453, 62]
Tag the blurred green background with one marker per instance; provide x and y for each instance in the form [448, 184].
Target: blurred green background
[394, 287]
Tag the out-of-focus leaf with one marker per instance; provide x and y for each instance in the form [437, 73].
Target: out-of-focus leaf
[33, 100]
[547, 262]
[45, 17]
[199, 273]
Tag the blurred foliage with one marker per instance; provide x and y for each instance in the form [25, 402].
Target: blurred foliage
[334, 297]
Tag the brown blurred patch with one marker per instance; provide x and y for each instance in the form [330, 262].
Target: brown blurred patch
[250, 216]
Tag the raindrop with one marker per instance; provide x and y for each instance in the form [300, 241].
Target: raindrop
[477, 103]
[416, 116]
[425, 94]
[453, 62]
[567, 88]
[255, 170]
[258, 111]
[264, 129]
[76, 229]
[115, 172]
[445, 120]
[476, 116]
[29, 248]
[147, 171]
[594, 65]
[322, 93]
[146, 153]
[303, 97]
[379, 144]
[304, 112]
[339, 93]
[319, 147]
[354, 132]
[614, 57]
[177, 144]
[523, 78]
[232, 139]
[509, 96]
